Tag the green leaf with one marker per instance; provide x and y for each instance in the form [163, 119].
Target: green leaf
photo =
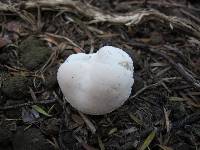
[40, 110]
[148, 140]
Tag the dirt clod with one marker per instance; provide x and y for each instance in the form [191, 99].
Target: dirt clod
[51, 126]
[15, 87]
[30, 139]
[33, 53]
[5, 136]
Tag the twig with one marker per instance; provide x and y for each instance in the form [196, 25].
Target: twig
[185, 74]
[64, 38]
[161, 3]
[85, 145]
[191, 16]
[88, 123]
[27, 104]
[152, 85]
[195, 117]
[143, 89]
[130, 19]
[33, 95]
[167, 121]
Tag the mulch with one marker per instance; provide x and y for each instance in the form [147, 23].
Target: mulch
[163, 39]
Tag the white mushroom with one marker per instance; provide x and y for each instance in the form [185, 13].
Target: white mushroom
[97, 83]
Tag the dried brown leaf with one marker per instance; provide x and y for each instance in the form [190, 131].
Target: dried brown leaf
[4, 41]
[77, 119]
[13, 26]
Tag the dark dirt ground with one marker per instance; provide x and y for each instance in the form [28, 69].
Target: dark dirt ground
[163, 110]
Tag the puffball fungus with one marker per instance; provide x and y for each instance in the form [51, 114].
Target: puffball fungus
[97, 83]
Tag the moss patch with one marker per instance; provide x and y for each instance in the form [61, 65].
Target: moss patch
[15, 87]
[33, 53]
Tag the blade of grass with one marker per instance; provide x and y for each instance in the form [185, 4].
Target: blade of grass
[148, 140]
[40, 110]
[135, 119]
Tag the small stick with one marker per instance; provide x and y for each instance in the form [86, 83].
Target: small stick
[185, 74]
[88, 122]
[195, 117]
[152, 85]
[130, 19]
[167, 121]
[27, 104]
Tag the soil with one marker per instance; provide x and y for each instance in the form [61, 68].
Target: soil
[163, 111]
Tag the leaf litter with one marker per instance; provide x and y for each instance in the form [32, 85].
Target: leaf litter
[162, 38]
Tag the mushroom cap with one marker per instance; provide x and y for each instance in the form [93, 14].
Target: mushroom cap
[97, 83]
